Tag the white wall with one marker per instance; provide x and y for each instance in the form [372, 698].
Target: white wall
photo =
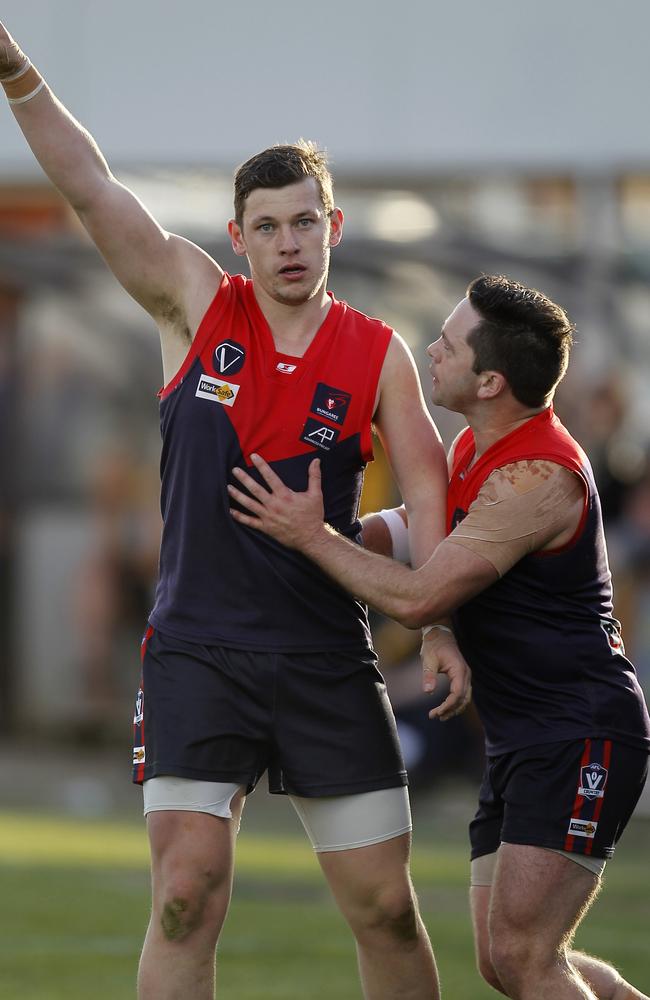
[410, 86]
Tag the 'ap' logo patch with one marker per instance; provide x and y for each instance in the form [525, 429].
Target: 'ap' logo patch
[593, 779]
[319, 435]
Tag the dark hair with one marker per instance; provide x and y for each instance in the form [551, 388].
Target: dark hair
[522, 334]
[278, 166]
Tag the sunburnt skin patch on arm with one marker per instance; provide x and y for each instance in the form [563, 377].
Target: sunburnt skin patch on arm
[522, 508]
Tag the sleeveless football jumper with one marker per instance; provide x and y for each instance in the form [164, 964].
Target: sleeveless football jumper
[221, 583]
[547, 658]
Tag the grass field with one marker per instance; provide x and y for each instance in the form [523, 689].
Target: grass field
[75, 900]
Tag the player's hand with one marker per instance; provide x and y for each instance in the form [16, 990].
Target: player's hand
[295, 519]
[440, 655]
[11, 57]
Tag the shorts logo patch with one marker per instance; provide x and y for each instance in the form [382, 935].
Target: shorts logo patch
[217, 390]
[330, 403]
[138, 755]
[137, 718]
[319, 435]
[614, 637]
[593, 779]
[582, 828]
[229, 357]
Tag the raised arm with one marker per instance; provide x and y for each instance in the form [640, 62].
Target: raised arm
[169, 276]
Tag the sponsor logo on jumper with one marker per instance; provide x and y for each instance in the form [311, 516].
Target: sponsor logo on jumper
[614, 638]
[229, 357]
[286, 369]
[138, 755]
[217, 390]
[137, 717]
[319, 435]
[593, 779]
[330, 403]
[582, 828]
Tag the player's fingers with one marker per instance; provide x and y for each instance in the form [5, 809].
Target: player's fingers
[314, 482]
[248, 502]
[429, 678]
[253, 487]
[267, 473]
[451, 706]
[251, 522]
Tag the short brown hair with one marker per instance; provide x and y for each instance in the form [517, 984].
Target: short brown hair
[522, 334]
[280, 165]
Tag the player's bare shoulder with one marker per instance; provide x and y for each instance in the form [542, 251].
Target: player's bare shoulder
[179, 309]
[526, 475]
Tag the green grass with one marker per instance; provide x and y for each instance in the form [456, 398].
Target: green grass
[75, 903]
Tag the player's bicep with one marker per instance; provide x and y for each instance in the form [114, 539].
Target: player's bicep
[150, 263]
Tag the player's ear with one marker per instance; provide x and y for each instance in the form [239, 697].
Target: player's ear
[336, 227]
[491, 384]
[237, 238]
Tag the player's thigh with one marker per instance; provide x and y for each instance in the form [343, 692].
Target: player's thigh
[372, 884]
[192, 850]
[376, 869]
[537, 895]
[479, 899]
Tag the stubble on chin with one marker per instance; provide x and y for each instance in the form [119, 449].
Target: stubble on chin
[295, 296]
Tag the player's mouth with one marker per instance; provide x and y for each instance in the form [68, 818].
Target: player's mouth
[292, 272]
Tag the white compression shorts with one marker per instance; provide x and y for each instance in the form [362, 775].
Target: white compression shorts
[482, 868]
[332, 823]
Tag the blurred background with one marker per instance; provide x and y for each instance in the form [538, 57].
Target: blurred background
[464, 138]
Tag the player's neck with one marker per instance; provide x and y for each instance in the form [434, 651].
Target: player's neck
[294, 326]
[489, 426]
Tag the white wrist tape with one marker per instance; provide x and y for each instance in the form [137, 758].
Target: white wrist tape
[23, 100]
[399, 535]
[19, 72]
[441, 628]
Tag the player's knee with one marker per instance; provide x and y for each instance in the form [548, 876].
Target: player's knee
[179, 918]
[488, 972]
[484, 963]
[392, 911]
[184, 905]
[510, 959]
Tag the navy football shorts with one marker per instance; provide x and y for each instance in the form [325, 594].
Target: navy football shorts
[575, 796]
[320, 723]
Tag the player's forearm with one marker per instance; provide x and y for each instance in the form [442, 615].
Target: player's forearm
[386, 585]
[65, 150]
